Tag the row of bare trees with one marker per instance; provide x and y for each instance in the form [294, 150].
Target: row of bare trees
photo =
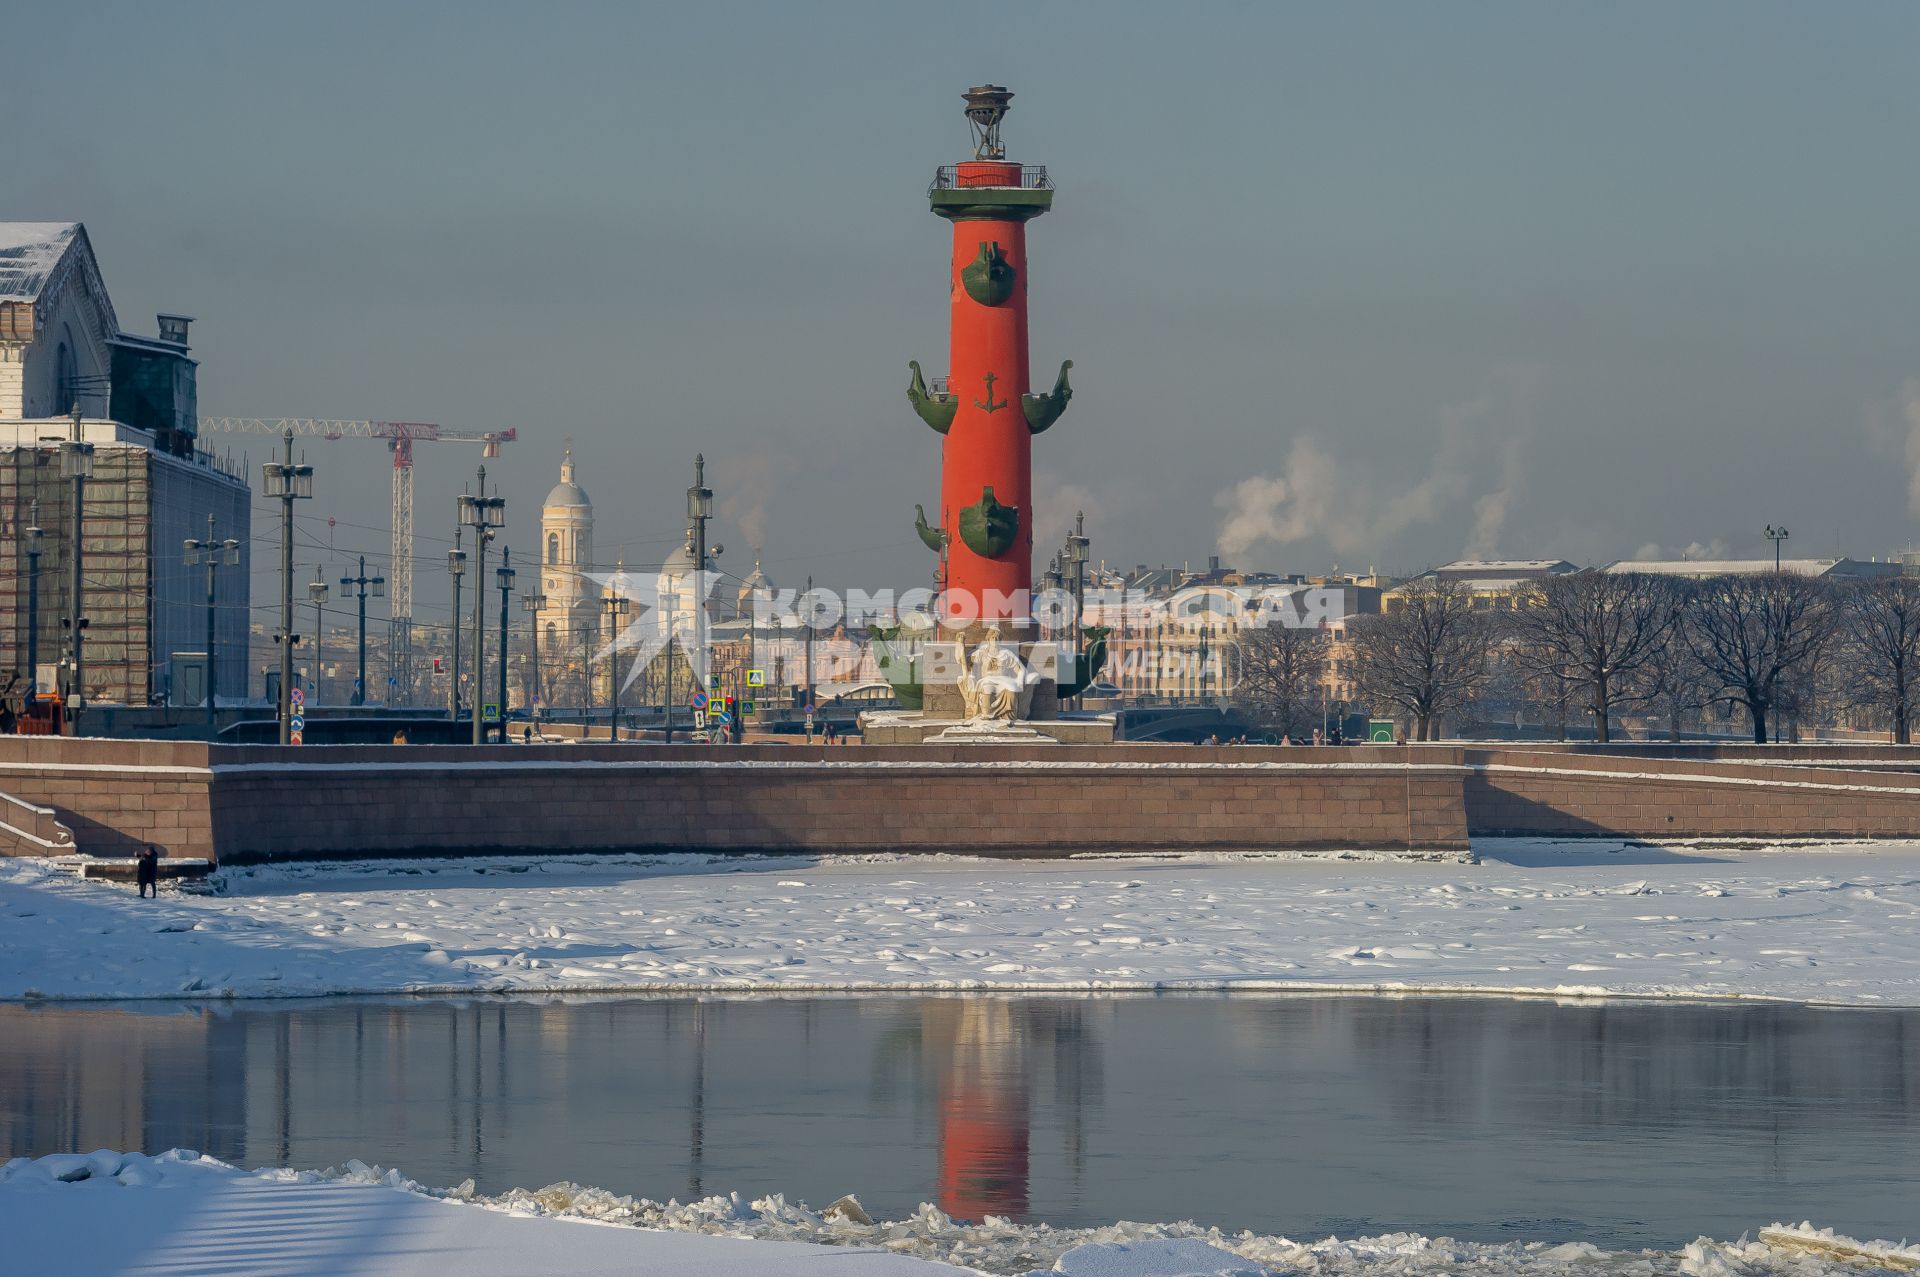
[1602, 645]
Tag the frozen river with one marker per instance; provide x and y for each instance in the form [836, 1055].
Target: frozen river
[1621, 1124]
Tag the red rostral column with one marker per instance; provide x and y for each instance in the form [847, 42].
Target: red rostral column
[986, 411]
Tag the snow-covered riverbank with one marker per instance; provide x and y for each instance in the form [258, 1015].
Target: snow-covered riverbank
[112, 1213]
[1827, 923]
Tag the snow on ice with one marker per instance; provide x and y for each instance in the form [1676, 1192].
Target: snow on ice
[1832, 923]
[109, 1212]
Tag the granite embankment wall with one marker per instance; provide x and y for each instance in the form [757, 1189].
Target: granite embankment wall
[1721, 791]
[241, 803]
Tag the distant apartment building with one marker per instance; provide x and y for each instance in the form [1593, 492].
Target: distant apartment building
[1174, 633]
[1492, 584]
[62, 350]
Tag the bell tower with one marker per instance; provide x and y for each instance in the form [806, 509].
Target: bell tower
[568, 621]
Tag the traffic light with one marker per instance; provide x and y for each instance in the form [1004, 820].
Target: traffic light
[438, 668]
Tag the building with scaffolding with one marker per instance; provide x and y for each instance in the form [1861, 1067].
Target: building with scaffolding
[69, 376]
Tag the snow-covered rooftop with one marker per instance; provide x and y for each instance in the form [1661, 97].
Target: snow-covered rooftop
[1503, 567]
[28, 253]
[1723, 567]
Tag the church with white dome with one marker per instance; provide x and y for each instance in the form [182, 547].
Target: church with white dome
[570, 620]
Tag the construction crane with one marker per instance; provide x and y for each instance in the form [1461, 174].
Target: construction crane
[400, 437]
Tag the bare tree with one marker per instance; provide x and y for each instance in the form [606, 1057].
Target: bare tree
[1881, 628]
[1751, 635]
[1281, 670]
[1425, 655]
[1672, 682]
[1596, 633]
[1541, 674]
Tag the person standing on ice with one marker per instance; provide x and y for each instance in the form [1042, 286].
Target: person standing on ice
[146, 871]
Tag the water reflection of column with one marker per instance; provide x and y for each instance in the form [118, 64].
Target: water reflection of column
[984, 1119]
[697, 1120]
[283, 1090]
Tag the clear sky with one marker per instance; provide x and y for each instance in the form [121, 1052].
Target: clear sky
[1357, 283]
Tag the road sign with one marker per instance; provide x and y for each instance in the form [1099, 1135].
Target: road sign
[699, 718]
[297, 695]
[756, 678]
[296, 738]
[746, 709]
[718, 715]
[297, 723]
[490, 711]
[699, 701]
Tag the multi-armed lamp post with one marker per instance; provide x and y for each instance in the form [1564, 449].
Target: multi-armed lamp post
[533, 605]
[699, 510]
[485, 515]
[287, 483]
[35, 534]
[76, 465]
[362, 581]
[214, 552]
[617, 607]
[456, 568]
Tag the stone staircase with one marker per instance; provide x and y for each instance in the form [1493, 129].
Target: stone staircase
[27, 829]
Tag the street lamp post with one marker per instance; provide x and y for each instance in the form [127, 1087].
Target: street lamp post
[617, 607]
[456, 568]
[807, 708]
[215, 552]
[1776, 535]
[699, 510]
[34, 536]
[1076, 556]
[504, 575]
[533, 605]
[1052, 581]
[317, 592]
[287, 483]
[484, 514]
[666, 677]
[76, 464]
[361, 582]
[1206, 656]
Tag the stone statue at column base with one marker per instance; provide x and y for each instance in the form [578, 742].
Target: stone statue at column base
[995, 685]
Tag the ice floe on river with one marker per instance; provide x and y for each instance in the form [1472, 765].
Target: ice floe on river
[74, 1213]
[1829, 923]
